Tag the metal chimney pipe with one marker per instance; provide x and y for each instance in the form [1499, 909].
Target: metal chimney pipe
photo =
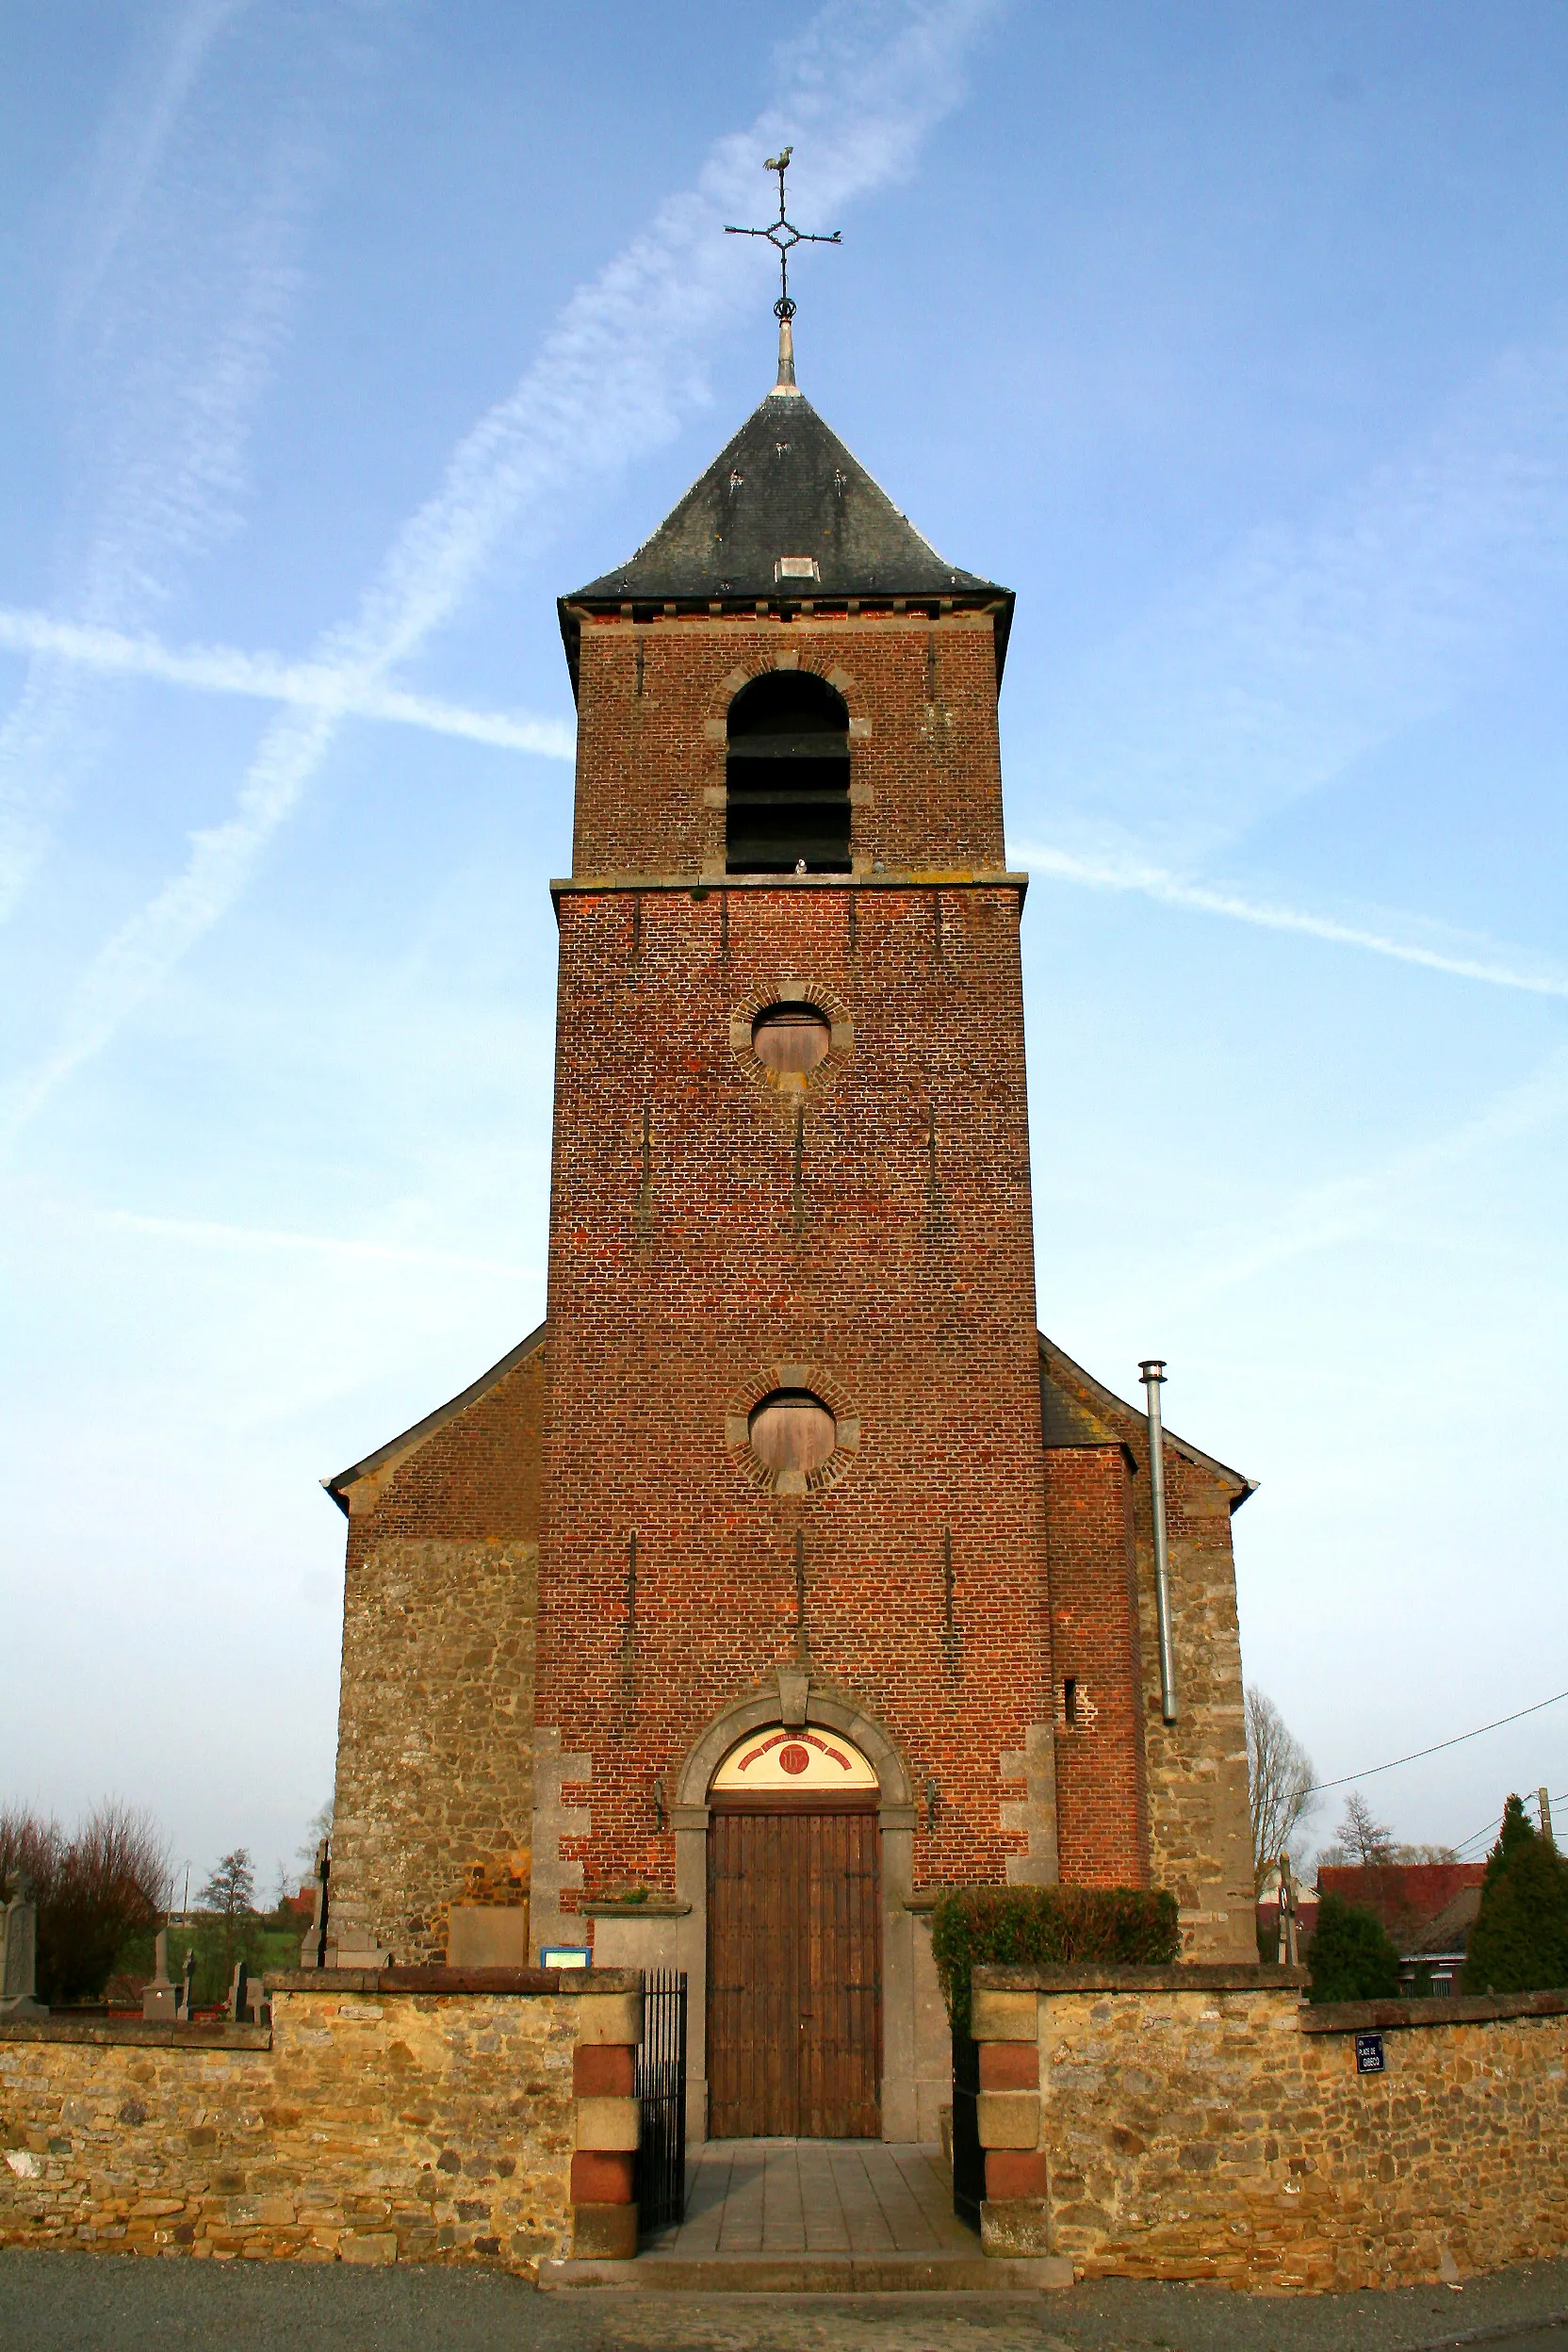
[1152, 1373]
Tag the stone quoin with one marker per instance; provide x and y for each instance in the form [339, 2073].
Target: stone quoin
[790, 1450]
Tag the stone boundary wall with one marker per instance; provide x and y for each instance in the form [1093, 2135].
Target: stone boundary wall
[1206, 2123]
[422, 2114]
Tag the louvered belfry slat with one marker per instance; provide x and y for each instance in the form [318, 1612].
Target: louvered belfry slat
[795, 1969]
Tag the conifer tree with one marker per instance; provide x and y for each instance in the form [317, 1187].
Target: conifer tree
[1352, 1957]
[1519, 1943]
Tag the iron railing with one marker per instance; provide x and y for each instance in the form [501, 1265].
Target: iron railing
[661, 2082]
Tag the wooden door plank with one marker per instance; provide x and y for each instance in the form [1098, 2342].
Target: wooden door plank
[794, 1975]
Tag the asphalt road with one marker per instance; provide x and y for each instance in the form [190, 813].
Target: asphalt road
[67, 2302]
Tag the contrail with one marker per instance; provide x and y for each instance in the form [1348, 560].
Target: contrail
[617, 375]
[179, 355]
[1268, 915]
[305, 685]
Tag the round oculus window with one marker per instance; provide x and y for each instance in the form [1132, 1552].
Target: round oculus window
[792, 1430]
[790, 1039]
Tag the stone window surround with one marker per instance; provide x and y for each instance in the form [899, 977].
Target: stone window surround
[715, 728]
[789, 989]
[742, 1402]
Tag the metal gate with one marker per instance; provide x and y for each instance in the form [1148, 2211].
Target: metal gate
[969, 2156]
[661, 2085]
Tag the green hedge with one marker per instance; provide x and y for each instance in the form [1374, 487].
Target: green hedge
[1047, 1927]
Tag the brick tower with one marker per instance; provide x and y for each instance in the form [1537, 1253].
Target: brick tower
[845, 1586]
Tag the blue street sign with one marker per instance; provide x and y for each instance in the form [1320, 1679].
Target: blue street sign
[1370, 2053]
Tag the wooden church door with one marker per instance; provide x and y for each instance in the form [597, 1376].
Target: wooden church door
[794, 1972]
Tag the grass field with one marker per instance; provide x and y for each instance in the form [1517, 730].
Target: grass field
[260, 1942]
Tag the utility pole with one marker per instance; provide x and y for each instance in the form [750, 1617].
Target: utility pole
[1545, 1803]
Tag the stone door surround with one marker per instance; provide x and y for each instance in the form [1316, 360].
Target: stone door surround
[791, 1697]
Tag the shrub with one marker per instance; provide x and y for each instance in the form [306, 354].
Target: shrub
[93, 1891]
[1352, 1957]
[1047, 1927]
[1519, 1943]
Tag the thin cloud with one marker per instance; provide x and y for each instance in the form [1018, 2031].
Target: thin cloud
[1307, 648]
[134, 144]
[1360, 1205]
[1170, 889]
[617, 376]
[200, 1233]
[1353, 1208]
[304, 685]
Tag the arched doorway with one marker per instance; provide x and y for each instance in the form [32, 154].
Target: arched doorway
[794, 1938]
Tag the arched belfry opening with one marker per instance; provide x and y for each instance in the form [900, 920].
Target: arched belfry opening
[788, 776]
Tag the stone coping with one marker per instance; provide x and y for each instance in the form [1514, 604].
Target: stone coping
[160, 2033]
[1357, 2016]
[1198, 1976]
[613, 1907]
[332, 1982]
[705, 885]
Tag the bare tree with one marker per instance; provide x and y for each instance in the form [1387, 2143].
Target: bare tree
[94, 1889]
[1360, 1837]
[1279, 1780]
[231, 1891]
[321, 1826]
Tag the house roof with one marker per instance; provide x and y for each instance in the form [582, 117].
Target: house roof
[784, 486]
[1427, 1907]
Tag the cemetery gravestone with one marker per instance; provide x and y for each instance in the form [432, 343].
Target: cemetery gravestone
[19, 1956]
[161, 1998]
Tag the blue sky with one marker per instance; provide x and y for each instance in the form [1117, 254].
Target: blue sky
[343, 336]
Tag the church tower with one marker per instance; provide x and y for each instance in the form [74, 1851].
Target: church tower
[833, 1581]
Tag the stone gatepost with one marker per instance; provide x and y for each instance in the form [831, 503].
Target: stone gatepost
[1015, 2217]
[604, 2163]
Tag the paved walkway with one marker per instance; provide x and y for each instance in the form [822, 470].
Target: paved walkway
[817, 2196]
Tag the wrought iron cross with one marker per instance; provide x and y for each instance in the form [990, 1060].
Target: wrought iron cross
[783, 235]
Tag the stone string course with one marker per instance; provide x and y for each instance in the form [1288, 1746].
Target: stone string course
[1205, 2124]
[370, 2125]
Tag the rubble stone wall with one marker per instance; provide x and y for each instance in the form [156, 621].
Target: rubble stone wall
[1199, 2123]
[367, 2126]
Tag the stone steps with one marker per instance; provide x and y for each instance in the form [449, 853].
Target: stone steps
[656, 2273]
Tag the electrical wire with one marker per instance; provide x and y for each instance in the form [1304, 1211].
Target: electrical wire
[1476, 1835]
[1457, 1741]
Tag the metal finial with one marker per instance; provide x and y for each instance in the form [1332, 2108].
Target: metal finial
[784, 236]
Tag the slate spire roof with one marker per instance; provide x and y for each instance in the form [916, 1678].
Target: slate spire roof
[785, 490]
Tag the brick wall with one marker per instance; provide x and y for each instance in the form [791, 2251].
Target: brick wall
[1200, 1832]
[925, 769]
[875, 1231]
[1102, 1801]
[1203, 2123]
